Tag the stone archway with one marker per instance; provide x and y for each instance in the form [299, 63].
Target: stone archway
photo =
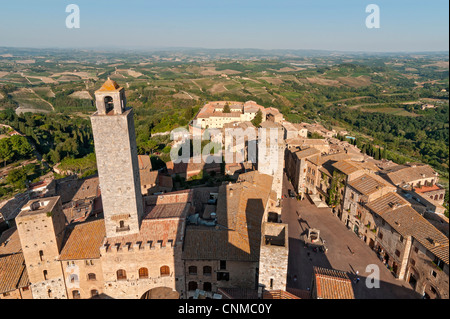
[161, 293]
[430, 292]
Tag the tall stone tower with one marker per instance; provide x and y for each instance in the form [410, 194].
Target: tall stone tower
[271, 148]
[117, 161]
[41, 225]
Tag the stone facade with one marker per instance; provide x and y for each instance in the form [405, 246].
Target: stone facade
[41, 225]
[274, 256]
[271, 155]
[426, 273]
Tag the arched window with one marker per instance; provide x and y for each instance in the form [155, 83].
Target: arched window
[207, 270]
[109, 103]
[92, 276]
[75, 294]
[121, 224]
[192, 270]
[121, 274]
[192, 285]
[165, 271]
[41, 255]
[45, 274]
[94, 292]
[143, 273]
[207, 286]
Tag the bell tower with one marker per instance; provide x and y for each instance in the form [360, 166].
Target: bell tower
[117, 161]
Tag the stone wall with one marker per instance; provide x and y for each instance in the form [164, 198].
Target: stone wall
[131, 259]
[273, 261]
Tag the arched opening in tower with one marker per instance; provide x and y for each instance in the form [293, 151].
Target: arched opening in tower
[109, 104]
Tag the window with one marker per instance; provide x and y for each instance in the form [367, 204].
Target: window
[380, 235]
[397, 253]
[75, 294]
[207, 286]
[271, 283]
[94, 293]
[143, 273]
[92, 276]
[45, 274]
[192, 285]
[401, 239]
[223, 264]
[121, 274]
[41, 255]
[49, 292]
[73, 278]
[207, 270]
[433, 273]
[192, 270]
[165, 271]
[439, 263]
[416, 250]
[223, 276]
[413, 262]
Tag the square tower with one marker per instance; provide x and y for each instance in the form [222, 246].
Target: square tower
[117, 161]
[41, 225]
[271, 148]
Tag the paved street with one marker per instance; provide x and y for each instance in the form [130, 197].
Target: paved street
[341, 242]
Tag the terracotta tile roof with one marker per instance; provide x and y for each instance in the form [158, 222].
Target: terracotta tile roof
[152, 230]
[346, 167]
[10, 242]
[332, 284]
[369, 183]
[279, 294]
[110, 85]
[240, 208]
[409, 222]
[176, 210]
[302, 294]
[307, 152]
[408, 174]
[425, 189]
[386, 203]
[13, 273]
[76, 189]
[83, 241]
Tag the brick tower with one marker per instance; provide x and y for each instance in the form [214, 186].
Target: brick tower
[117, 161]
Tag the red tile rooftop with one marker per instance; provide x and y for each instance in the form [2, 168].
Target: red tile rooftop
[425, 189]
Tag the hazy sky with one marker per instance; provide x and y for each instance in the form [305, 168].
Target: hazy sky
[405, 25]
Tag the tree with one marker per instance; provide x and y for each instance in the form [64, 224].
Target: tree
[258, 118]
[6, 152]
[226, 108]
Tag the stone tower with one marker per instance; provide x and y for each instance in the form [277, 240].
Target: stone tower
[117, 161]
[41, 225]
[271, 148]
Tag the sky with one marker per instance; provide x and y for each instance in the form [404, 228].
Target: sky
[405, 25]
